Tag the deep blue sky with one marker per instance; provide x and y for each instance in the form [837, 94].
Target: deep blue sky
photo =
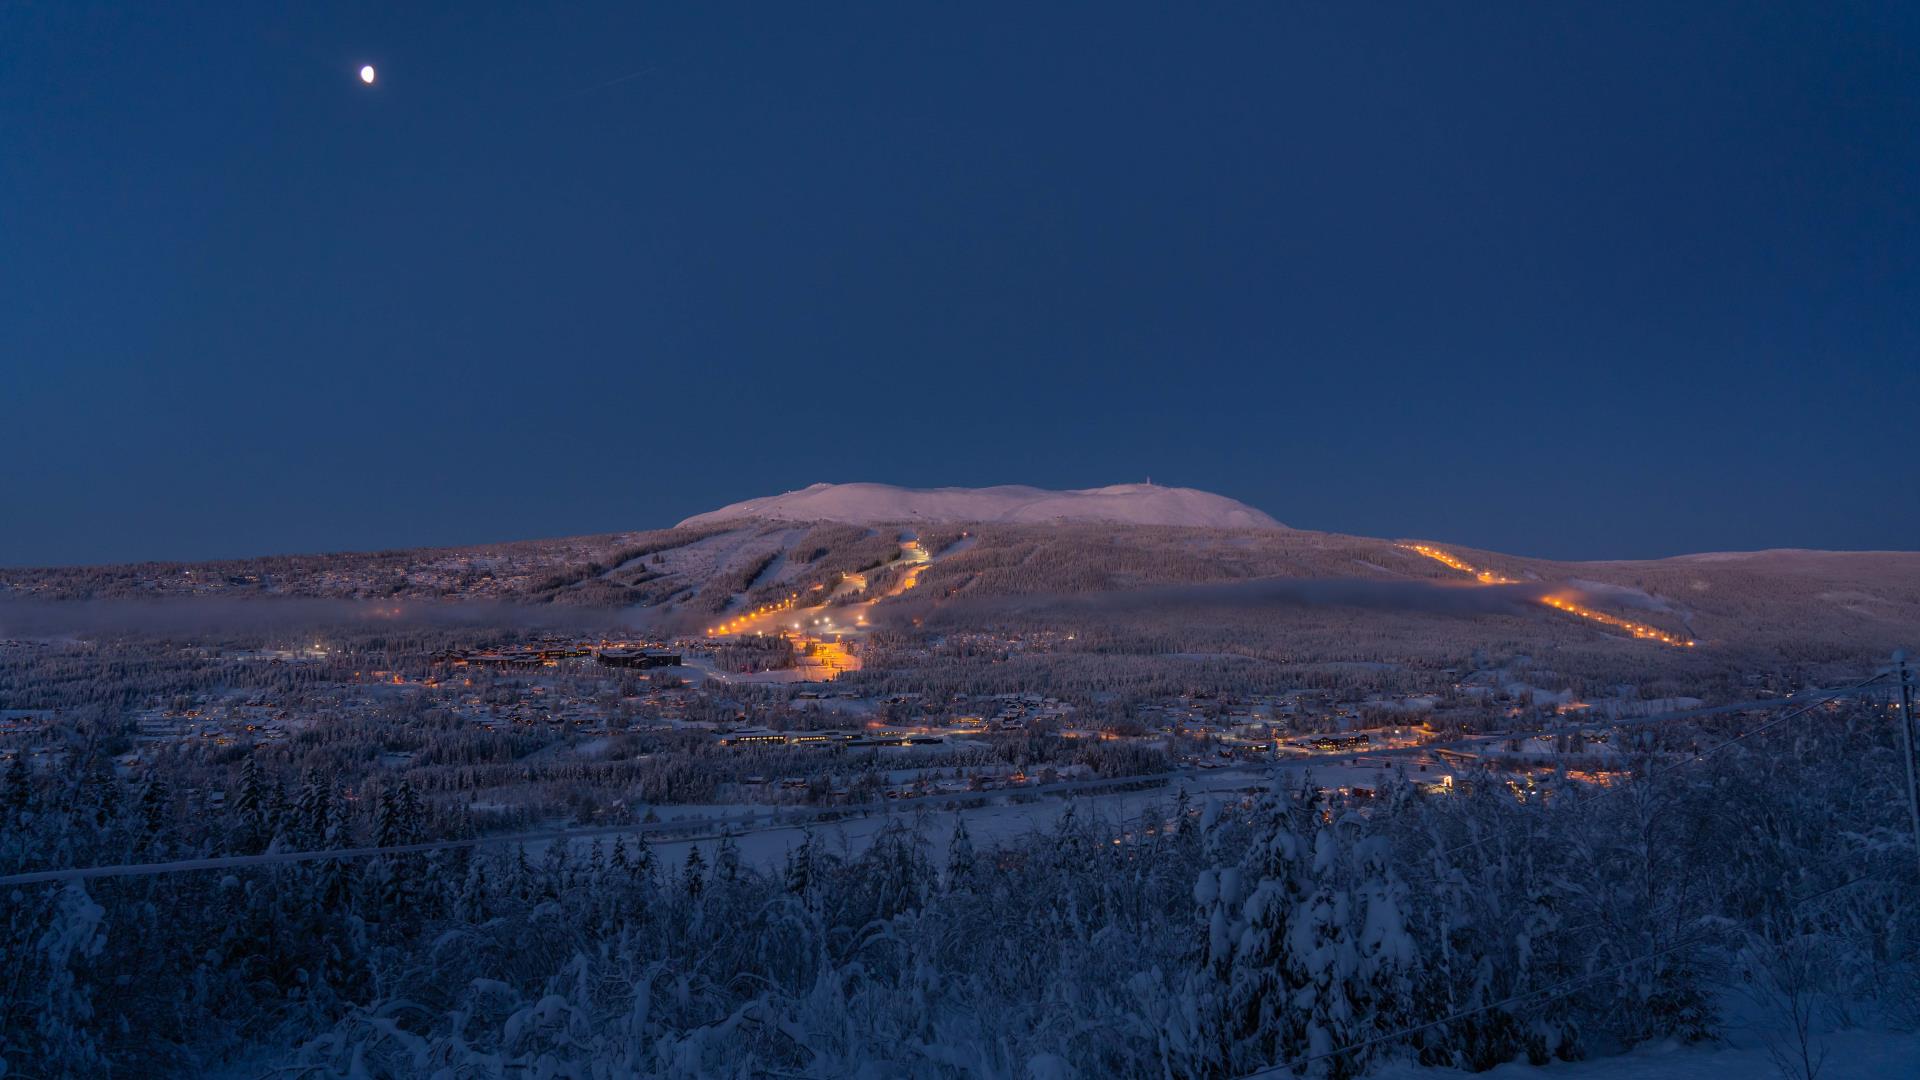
[1623, 280]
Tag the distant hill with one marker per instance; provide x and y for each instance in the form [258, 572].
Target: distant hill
[1010, 504]
[1164, 570]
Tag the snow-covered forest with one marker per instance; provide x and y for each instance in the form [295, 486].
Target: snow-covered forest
[1204, 939]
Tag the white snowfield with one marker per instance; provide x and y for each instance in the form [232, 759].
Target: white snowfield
[1123, 504]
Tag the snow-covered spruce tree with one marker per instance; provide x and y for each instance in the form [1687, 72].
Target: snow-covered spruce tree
[1264, 976]
[248, 809]
[1388, 957]
[619, 864]
[1201, 1029]
[474, 903]
[48, 998]
[959, 876]
[893, 875]
[1320, 945]
[99, 793]
[1651, 902]
[802, 872]
[645, 867]
[311, 809]
[1460, 917]
[395, 886]
[336, 877]
[596, 871]
[726, 859]
[556, 871]
[693, 874]
[155, 835]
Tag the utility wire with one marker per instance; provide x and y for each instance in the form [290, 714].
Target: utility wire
[778, 818]
[774, 818]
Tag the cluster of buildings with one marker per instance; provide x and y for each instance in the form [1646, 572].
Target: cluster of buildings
[624, 654]
[1011, 712]
[762, 738]
[222, 723]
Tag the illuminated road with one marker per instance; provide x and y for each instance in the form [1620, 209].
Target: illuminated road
[1561, 602]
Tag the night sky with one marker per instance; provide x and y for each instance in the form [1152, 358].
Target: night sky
[1626, 280]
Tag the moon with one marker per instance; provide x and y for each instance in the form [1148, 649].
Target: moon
[366, 74]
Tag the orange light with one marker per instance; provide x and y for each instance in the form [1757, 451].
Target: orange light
[1556, 602]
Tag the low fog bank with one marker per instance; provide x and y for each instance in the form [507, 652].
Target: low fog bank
[1264, 593]
[27, 618]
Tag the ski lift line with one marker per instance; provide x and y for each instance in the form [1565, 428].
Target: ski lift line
[1559, 989]
[773, 818]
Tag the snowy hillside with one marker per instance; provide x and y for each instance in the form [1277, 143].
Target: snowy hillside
[1126, 504]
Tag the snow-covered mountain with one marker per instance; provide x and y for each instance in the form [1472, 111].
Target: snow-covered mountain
[1125, 504]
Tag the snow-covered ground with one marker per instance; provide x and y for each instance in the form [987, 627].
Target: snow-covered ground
[867, 504]
[1851, 1055]
[1004, 817]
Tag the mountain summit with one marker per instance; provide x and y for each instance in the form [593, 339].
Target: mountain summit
[1123, 504]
